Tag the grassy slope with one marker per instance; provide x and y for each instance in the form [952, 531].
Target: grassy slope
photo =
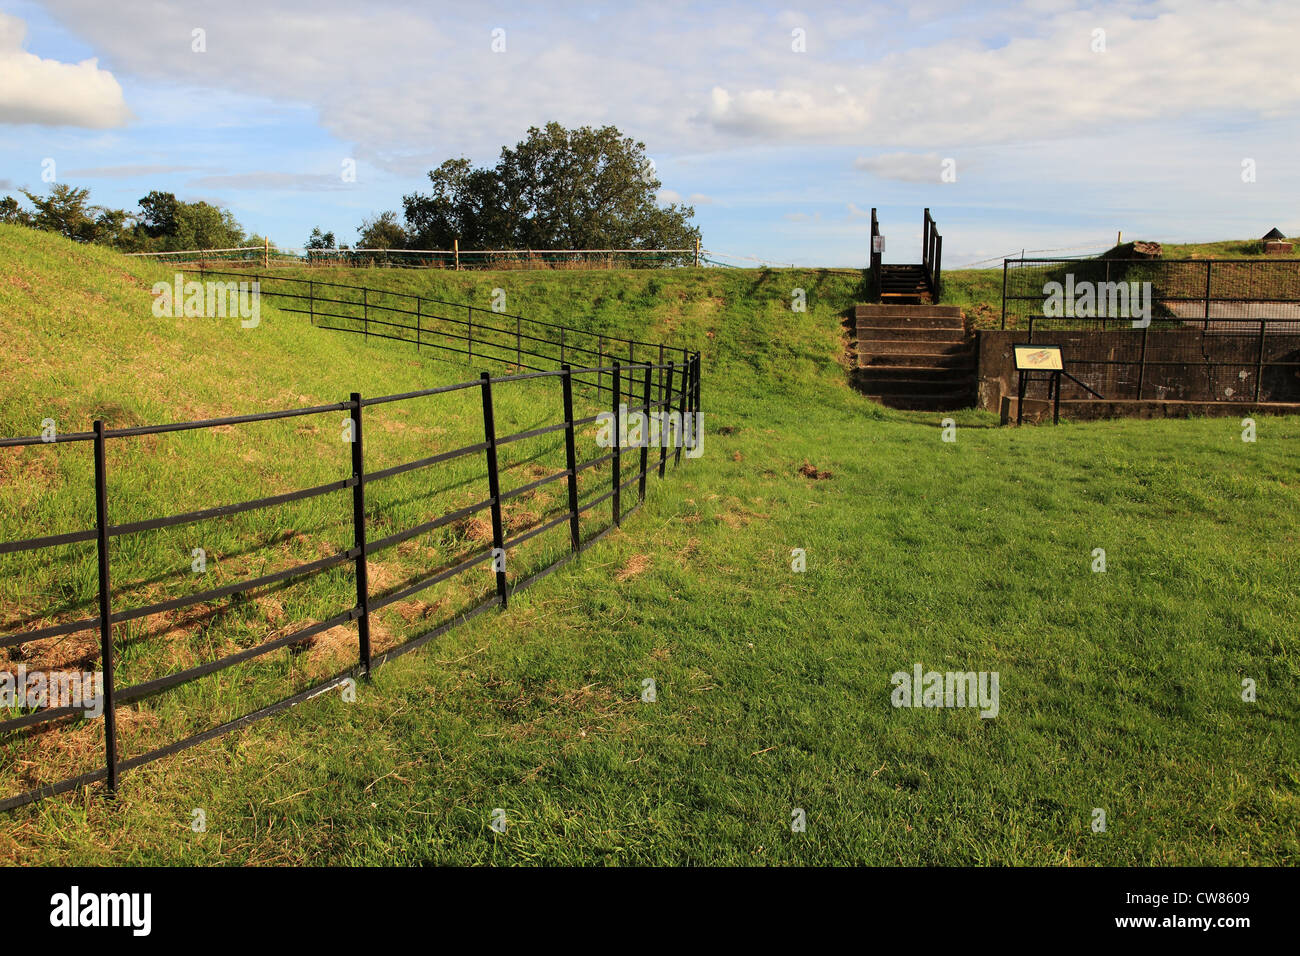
[1119, 690]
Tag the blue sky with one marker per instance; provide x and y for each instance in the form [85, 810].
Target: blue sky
[782, 125]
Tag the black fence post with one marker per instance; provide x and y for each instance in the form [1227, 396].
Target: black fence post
[359, 535]
[645, 435]
[699, 369]
[937, 266]
[494, 488]
[665, 417]
[1208, 274]
[1259, 364]
[105, 606]
[570, 456]
[311, 301]
[681, 409]
[417, 323]
[365, 313]
[1142, 363]
[469, 329]
[1004, 294]
[688, 433]
[661, 371]
[618, 472]
[600, 365]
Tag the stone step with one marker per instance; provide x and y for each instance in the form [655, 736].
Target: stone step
[932, 403]
[896, 311]
[964, 359]
[919, 323]
[904, 380]
[878, 333]
[912, 346]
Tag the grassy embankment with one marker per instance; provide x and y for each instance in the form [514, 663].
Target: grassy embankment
[1119, 691]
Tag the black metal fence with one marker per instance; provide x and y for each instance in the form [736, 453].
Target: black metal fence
[471, 333]
[932, 253]
[1164, 329]
[670, 390]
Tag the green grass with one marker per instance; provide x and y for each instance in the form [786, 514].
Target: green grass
[1119, 691]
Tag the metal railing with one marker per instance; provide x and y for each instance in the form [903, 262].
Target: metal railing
[875, 256]
[932, 253]
[268, 256]
[468, 331]
[669, 390]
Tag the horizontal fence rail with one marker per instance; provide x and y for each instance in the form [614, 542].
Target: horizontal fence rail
[467, 331]
[669, 389]
[267, 256]
[1223, 330]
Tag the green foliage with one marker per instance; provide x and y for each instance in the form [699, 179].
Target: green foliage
[382, 232]
[163, 224]
[558, 189]
[320, 240]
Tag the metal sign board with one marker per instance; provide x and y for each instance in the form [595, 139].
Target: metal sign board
[1039, 358]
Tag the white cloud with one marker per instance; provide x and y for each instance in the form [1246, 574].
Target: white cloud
[681, 77]
[50, 93]
[266, 179]
[904, 167]
[1192, 58]
[125, 172]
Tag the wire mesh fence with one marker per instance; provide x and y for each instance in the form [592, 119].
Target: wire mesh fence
[1164, 330]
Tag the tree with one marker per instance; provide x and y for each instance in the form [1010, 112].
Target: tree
[558, 189]
[200, 225]
[158, 211]
[65, 210]
[13, 213]
[320, 240]
[382, 232]
[466, 204]
[589, 189]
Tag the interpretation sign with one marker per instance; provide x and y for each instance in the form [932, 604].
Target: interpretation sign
[1039, 358]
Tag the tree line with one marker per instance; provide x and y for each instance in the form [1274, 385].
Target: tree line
[585, 188]
[162, 222]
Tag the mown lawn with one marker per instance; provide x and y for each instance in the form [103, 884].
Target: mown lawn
[1120, 691]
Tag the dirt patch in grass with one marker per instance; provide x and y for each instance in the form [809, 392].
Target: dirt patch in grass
[809, 470]
[637, 564]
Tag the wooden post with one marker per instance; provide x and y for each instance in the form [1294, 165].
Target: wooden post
[697, 253]
[455, 245]
[266, 251]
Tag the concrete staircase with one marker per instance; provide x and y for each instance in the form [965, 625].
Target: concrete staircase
[915, 356]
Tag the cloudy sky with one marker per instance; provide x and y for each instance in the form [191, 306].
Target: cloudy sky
[783, 125]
